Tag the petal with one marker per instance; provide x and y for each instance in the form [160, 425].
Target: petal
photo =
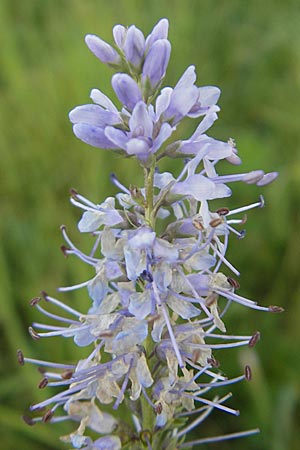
[118, 137]
[187, 79]
[119, 33]
[160, 31]
[140, 122]
[102, 100]
[156, 62]
[105, 52]
[126, 89]
[92, 135]
[93, 115]
[138, 147]
[164, 133]
[140, 304]
[185, 309]
[134, 46]
[163, 101]
[209, 95]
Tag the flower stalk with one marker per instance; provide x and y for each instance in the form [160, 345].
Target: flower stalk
[158, 296]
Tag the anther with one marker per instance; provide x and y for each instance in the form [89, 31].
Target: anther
[20, 357]
[67, 375]
[73, 193]
[196, 355]
[255, 338]
[275, 309]
[242, 234]
[43, 383]
[48, 416]
[106, 334]
[153, 318]
[158, 408]
[28, 420]
[64, 250]
[34, 301]
[63, 228]
[213, 362]
[33, 334]
[223, 211]
[248, 373]
[211, 299]
[215, 222]
[198, 224]
[262, 201]
[244, 219]
[235, 284]
[44, 295]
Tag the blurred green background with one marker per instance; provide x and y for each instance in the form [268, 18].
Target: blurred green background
[251, 50]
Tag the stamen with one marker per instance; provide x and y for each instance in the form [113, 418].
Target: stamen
[114, 180]
[74, 287]
[224, 260]
[210, 403]
[223, 211]
[61, 304]
[259, 204]
[275, 309]
[254, 339]
[224, 437]
[248, 373]
[20, 357]
[35, 301]
[33, 334]
[28, 420]
[167, 319]
[235, 284]
[43, 383]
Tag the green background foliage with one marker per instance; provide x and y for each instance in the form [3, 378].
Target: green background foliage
[251, 50]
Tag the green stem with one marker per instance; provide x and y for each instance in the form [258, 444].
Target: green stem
[149, 175]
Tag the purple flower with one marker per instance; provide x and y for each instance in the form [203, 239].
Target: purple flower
[105, 52]
[144, 138]
[155, 64]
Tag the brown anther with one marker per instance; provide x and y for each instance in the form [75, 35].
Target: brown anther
[64, 250]
[48, 416]
[158, 408]
[33, 334]
[73, 193]
[67, 374]
[254, 339]
[44, 295]
[275, 309]
[223, 211]
[20, 357]
[235, 284]
[198, 224]
[28, 420]
[153, 318]
[63, 228]
[196, 355]
[34, 301]
[244, 219]
[216, 222]
[106, 333]
[248, 373]
[43, 383]
[213, 362]
[211, 299]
